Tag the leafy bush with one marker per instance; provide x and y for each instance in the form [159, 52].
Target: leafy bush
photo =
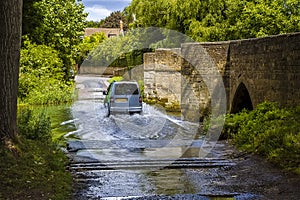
[270, 131]
[51, 92]
[87, 45]
[41, 78]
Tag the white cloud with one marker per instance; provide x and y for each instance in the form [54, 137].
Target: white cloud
[96, 12]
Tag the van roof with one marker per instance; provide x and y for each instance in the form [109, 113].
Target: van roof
[120, 82]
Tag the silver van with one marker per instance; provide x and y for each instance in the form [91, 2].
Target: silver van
[123, 97]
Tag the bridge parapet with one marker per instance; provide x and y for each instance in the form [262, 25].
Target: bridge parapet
[202, 61]
[252, 70]
[268, 67]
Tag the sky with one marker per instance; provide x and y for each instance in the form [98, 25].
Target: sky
[99, 9]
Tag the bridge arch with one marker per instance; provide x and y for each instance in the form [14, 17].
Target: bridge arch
[241, 99]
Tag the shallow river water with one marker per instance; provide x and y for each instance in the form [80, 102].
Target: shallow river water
[150, 156]
[155, 155]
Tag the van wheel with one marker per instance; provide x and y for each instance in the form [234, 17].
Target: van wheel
[107, 114]
[139, 113]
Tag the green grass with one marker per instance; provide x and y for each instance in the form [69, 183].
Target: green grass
[33, 167]
[36, 171]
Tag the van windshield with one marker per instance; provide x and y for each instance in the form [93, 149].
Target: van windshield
[126, 89]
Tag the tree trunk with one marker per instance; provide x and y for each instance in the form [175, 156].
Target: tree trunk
[10, 44]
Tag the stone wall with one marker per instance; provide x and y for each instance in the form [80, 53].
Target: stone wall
[269, 68]
[252, 71]
[136, 73]
[203, 69]
[99, 70]
[162, 82]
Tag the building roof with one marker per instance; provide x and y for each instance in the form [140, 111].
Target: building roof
[107, 31]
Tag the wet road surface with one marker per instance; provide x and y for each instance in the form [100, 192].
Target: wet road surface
[148, 156]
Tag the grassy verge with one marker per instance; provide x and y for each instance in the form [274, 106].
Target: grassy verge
[269, 131]
[33, 167]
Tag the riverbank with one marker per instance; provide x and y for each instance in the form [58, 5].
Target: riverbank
[269, 131]
[33, 166]
[33, 170]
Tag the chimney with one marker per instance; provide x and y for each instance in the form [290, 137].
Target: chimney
[121, 28]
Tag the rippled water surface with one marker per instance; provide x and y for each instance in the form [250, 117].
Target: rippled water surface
[129, 156]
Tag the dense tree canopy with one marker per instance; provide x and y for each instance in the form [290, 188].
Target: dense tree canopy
[113, 20]
[215, 20]
[112, 49]
[128, 50]
[55, 23]
[87, 45]
[52, 38]
[92, 24]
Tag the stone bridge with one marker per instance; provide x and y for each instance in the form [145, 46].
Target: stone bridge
[252, 71]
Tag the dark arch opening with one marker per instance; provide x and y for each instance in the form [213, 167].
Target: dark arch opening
[241, 100]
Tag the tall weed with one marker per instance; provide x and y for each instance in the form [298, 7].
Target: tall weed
[34, 126]
[42, 79]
